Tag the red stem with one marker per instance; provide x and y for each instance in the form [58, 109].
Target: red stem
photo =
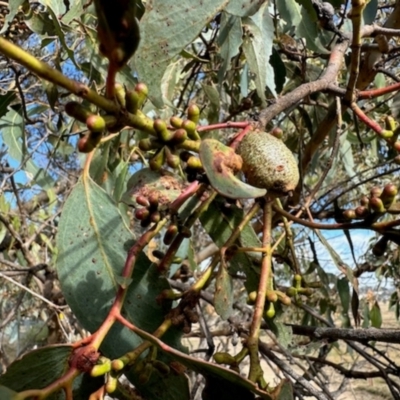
[238, 138]
[370, 94]
[367, 121]
[223, 125]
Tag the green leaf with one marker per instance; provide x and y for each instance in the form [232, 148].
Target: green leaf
[171, 387]
[279, 70]
[57, 27]
[39, 368]
[13, 7]
[51, 93]
[5, 101]
[7, 394]
[170, 81]
[243, 8]
[12, 128]
[344, 293]
[375, 315]
[283, 333]
[75, 11]
[370, 11]
[257, 47]
[214, 103]
[306, 28]
[229, 41]
[41, 24]
[57, 7]
[166, 28]
[346, 153]
[285, 390]
[93, 242]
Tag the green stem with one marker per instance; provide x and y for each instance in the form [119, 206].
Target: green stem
[255, 373]
[44, 71]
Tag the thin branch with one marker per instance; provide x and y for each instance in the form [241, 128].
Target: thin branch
[31, 292]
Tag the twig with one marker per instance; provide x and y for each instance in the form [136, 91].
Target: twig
[32, 292]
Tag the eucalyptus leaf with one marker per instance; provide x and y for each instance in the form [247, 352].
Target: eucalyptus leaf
[162, 40]
[257, 47]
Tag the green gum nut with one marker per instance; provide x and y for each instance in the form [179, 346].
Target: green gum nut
[176, 122]
[362, 211]
[271, 296]
[285, 300]
[162, 131]
[96, 123]
[101, 369]
[191, 145]
[180, 135]
[194, 163]
[142, 90]
[149, 144]
[252, 297]
[385, 134]
[396, 146]
[117, 364]
[390, 123]
[388, 194]
[193, 113]
[277, 132]
[376, 191]
[349, 214]
[157, 160]
[173, 160]
[87, 143]
[306, 291]
[224, 358]
[120, 94]
[190, 128]
[270, 313]
[111, 384]
[376, 204]
[297, 280]
[77, 111]
[132, 101]
[170, 234]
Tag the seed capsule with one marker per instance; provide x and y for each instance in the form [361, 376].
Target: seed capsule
[170, 234]
[77, 111]
[158, 160]
[96, 123]
[376, 204]
[268, 163]
[193, 113]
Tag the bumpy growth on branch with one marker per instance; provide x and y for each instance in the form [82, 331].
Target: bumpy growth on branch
[268, 163]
